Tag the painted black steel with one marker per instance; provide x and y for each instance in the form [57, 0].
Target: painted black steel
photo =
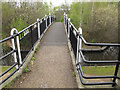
[27, 42]
[87, 61]
[8, 38]
[117, 68]
[94, 83]
[48, 21]
[9, 69]
[73, 41]
[31, 33]
[97, 44]
[67, 25]
[9, 76]
[11, 52]
[42, 26]
[93, 77]
[35, 35]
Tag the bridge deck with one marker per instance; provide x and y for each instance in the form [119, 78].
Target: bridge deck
[53, 65]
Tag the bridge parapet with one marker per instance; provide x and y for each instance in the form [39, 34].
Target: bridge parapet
[25, 40]
[75, 39]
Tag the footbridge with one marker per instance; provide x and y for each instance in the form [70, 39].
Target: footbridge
[59, 58]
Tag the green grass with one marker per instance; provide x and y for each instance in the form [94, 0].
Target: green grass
[73, 74]
[9, 85]
[4, 68]
[97, 70]
[26, 69]
[93, 41]
[33, 58]
[36, 50]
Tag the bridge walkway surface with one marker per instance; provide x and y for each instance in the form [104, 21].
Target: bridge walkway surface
[52, 67]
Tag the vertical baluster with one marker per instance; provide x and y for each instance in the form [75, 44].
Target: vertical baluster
[116, 69]
[38, 21]
[31, 37]
[68, 28]
[18, 47]
[46, 20]
[80, 44]
[50, 18]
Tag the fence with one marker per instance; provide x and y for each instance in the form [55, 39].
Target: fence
[23, 43]
[76, 38]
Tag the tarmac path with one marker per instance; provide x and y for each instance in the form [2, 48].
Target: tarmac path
[52, 67]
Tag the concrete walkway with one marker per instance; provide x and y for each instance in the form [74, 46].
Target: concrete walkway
[53, 65]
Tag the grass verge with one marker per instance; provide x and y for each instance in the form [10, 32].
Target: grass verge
[4, 68]
[99, 70]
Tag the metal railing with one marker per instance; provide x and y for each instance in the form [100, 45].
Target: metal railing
[26, 38]
[75, 38]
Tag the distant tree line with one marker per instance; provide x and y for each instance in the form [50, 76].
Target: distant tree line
[99, 20]
[22, 15]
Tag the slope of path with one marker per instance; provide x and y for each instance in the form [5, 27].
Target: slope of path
[53, 65]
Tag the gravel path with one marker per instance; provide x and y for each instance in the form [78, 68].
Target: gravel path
[53, 65]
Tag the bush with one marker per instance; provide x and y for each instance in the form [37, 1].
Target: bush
[61, 20]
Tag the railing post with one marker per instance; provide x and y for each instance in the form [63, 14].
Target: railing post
[116, 69]
[38, 21]
[46, 20]
[66, 19]
[18, 47]
[68, 28]
[41, 34]
[31, 38]
[50, 18]
[80, 44]
[77, 53]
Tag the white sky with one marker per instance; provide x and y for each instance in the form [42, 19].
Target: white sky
[58, 2]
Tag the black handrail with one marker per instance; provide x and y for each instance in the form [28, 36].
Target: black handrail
[11, 52]
[78, 53]
[97, 44]
[93, 77]
[9, 76]
[95, 50]
[9, 69]
[33, 42]
[95, 83]
[87, 61]
[8, 38]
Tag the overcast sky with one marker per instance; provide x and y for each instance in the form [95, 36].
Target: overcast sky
[58, 2]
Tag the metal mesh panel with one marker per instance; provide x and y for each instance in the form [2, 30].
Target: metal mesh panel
[73, 41]
[51, 19]
[27, 40]
[65, 20]
[35, 35]
[67, 26]
[42, 26]
[25, 44]
[48, 21]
